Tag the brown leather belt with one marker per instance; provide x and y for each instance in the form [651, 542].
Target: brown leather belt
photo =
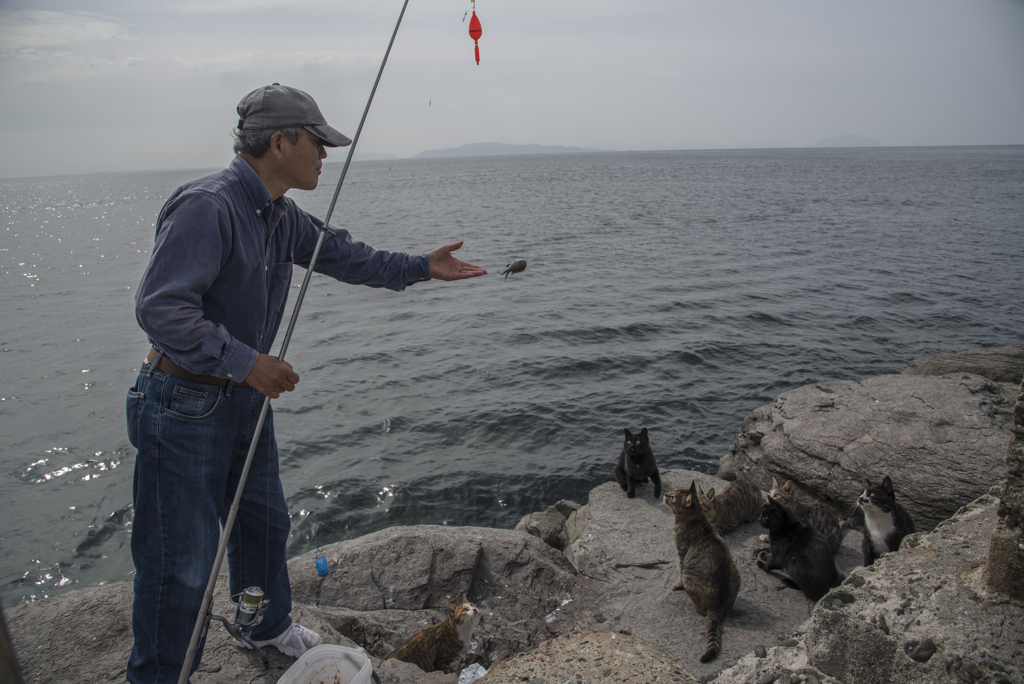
[171, 368]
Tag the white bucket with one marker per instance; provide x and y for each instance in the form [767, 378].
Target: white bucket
[329, 664]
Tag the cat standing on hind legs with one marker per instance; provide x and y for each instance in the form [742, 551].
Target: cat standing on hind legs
[706, 570]
[816, 514]
[636, 465]
[798, 549]
[886, 523]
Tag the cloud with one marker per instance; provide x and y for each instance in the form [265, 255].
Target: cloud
[29, 31]
[236, 61]
[57, 46]
[230, 7]
[83, 66]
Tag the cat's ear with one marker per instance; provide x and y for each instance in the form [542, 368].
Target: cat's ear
[711, 495]
[789, 487]
[628, 433]
[643, 433]
[463, 599]
[775, 483]
[451, 608]
[887, 486]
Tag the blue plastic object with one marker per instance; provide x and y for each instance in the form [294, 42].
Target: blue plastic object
[321, 564]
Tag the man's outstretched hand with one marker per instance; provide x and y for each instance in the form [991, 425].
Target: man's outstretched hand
[443, 266]
[271, 376]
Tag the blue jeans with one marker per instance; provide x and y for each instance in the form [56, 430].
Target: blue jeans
[192, 440]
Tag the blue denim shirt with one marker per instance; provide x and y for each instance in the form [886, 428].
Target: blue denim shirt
[213, 294]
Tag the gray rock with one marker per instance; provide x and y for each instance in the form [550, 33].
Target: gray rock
[937, 581]
[941, 440]
[752, 668]
[559, 526]
[627, 564]
[516, 580]
[549, 525]
[1005, 364]
[85, 636]
[397, 672]
[385, 586]
[591, 658]
[1006, 548]
[921, 651]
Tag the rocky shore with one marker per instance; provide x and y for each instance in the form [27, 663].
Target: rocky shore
[581, 592]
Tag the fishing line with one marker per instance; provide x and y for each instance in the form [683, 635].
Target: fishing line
[447, 59]
[203, 619]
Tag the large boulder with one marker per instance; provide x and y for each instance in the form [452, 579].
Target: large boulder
[381, 589]
[385, 586]
[627, 563]
[86, 636]
[941, 439]
[1005, 364]
[1006, 551]
[923, 615]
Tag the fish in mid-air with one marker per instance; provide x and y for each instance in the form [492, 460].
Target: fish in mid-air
[517, 266]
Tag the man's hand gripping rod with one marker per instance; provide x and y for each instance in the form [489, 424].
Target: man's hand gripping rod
[203, 619]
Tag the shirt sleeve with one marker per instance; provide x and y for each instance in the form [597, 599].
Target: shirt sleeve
[355, 262]
[192, 242]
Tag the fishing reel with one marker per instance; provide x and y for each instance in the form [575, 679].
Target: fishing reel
[249, 610]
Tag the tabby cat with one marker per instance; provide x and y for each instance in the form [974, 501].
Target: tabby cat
[436, 647]
[636, 464]
[739, 502]
[817, 515]
[886, 523]
[799, 550]
[706, 570]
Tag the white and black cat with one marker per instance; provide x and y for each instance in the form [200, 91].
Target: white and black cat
[636, 465]
[798, 549]
[886, 523]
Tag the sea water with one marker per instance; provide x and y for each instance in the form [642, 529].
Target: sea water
[675, 291]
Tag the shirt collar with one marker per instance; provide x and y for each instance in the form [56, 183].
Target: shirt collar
[254, 188]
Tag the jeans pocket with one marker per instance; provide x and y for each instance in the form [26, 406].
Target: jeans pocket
[133, 414]
[194, 404]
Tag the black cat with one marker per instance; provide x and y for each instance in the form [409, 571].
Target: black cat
[798, 549]
[886, 523]
[636, 464]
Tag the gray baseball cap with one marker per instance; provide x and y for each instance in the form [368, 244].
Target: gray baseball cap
[276, 106]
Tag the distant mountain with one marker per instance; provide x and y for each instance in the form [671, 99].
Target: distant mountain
[849, 140]
[373, 156]
[711, 145]
[493, 148]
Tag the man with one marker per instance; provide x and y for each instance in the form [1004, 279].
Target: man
[211, 301]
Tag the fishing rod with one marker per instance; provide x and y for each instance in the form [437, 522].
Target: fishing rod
[203, 619]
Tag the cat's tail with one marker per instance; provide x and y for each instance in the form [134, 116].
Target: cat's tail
[713, 626]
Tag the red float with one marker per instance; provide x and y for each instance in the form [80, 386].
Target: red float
[475, 32]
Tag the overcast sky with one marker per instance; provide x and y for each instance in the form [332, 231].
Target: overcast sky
[146, 84]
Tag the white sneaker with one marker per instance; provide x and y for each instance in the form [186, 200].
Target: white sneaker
[293, 642]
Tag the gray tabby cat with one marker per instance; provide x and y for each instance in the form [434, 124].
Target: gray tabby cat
[436, 647]
[739, 502]
[817, 515]
[706, 570]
